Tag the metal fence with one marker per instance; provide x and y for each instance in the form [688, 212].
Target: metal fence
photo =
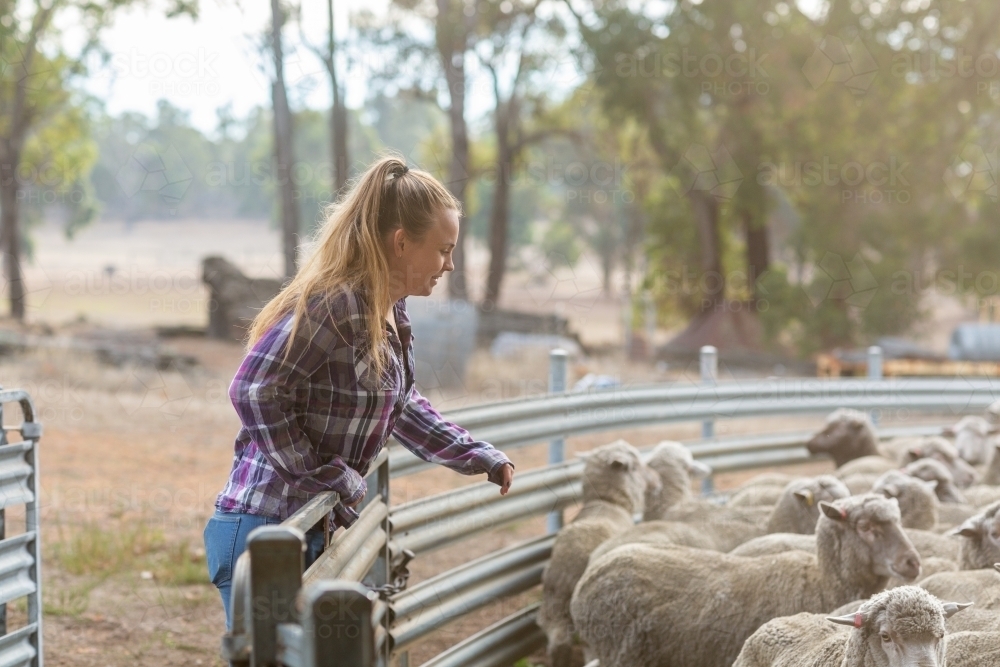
[20, 553]
[332, 614]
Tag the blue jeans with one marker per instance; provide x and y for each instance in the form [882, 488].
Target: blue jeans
[226, 538]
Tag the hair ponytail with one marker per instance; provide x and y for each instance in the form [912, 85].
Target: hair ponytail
[349, 252]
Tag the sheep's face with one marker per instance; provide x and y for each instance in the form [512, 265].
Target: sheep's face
[876, 522]
[616, 473]
[920, 649]
[902, 627]
[972, 439]
[933, 470]
[938, 449]
[983, 534]
[846, 436]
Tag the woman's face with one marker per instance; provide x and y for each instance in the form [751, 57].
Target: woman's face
[415, 267]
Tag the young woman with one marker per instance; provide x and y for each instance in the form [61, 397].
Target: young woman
[328, 375]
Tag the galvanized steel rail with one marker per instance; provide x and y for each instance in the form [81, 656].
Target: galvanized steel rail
[366, 551]
[20, 555]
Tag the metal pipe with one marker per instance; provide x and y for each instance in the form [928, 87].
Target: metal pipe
[557, 446]
[409, 515]
[362, 560]
[313, 511]
[461, 526]
[466, 576]
[334, 559]
[500, 644]
[434, 617]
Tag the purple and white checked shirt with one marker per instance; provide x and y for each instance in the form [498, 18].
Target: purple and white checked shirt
[316, 423]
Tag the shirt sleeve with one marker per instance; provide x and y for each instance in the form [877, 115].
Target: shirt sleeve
[263, 394]
[423, 431]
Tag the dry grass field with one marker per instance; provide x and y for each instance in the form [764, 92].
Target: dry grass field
[132, 457]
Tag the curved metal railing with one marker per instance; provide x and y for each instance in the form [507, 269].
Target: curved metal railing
[374, 548]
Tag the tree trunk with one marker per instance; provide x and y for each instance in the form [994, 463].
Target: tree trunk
[283, 153]
[758, 258]
[501, 207]
[706, 215]
[338, 117]
[452, 33]
[10, 241]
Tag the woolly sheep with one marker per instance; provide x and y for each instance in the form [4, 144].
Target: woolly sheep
[671, 606]
[917, 498]
[706, 526]
[932, 470]
[979, 586]
[972, 438]
[993, 412]
[675, 466]
[797, 510]
[756, 496]
[981, 495]
[929, 545]
[846, 435]
[992, 474]
[866, 465]
[974, 649]
[614, 483]
[903, 627]
[936, 447]
[980, 539]
[860, 483]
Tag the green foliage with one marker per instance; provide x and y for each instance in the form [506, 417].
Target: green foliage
[560, 245]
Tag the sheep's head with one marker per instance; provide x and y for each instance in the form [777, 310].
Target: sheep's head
[675, 467]
[801, 498]
[932, 470]
[937, 448]
[918, 502]
[981, 538]
[876, 522]
[901, 627]
[847, 435]
[616, 473]
[972, 438]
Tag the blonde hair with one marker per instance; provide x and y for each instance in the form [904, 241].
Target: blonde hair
[349, 250]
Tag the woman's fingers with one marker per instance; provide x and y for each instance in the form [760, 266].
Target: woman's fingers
[506, 477]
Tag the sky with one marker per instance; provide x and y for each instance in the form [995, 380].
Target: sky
[202, 65]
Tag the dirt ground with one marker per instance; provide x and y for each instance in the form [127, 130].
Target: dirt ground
[132, 457]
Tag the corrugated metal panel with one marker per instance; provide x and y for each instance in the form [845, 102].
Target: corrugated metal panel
[16, 649]
[14, 474]
[15, 567]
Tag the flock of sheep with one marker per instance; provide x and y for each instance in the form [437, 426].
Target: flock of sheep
[867, 567]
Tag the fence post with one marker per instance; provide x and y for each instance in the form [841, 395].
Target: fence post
[337, 625]
[874, 373]
[276, 564]
[382, 570]
[709, 366]
[557, 446]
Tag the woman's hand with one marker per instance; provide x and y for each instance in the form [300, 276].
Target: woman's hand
[506, 477]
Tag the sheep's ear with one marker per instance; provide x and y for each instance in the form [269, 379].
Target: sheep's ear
[832, 512]
[970, 528]
[996, 566]
[806, 496]
[699, 469]
[890, 491]
[854, 620]
[621, 464]
[915, 453]
[948, 432]
[930, 484]
[952, 608]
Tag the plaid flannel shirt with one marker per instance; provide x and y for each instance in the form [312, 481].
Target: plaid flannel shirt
[316, 422]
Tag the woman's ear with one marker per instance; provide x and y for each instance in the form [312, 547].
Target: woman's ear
[398, 241]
